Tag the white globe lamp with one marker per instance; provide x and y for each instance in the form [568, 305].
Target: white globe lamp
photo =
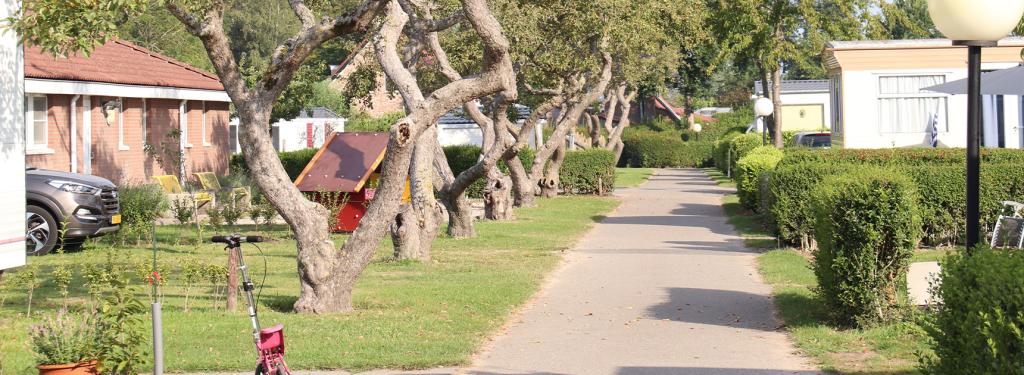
[976, 20]
[697, 127]
[764, 107]
[975, 24]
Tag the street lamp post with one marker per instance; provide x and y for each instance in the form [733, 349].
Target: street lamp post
[764, 107]
[975, 24]
[697, 127]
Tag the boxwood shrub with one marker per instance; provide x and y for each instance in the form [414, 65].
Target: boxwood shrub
[790, 191]
[588, 172]
[293, 161]
[644, 148]
[902, 157]
[867, 229]
[463, 157]
[979, 326]
[748, 172]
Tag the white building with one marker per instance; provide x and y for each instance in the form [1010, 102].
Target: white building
[309, 129]
[12, 146]
[806, 105]
[455, 129]
[879, 101]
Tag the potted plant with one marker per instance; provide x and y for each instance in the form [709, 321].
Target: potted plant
[64, 345]
[371, 187]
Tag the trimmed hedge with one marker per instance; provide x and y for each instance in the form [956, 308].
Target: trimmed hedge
[588, 172]
[790, 190]
[748, 172]
[867, 229]
[293, 161]
[463, 157]
[902, 157]
[648, 149]
[979, 326]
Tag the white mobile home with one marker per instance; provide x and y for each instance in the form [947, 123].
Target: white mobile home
[12, 146]
[309, 129]
[879, 101]
[806, 105]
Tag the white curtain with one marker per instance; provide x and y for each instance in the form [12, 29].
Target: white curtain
[904, 108]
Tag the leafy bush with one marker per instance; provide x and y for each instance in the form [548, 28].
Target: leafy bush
[588, 172]
[720, 153]
[979, 326]
[141, 205]
[361, 122]
[463, 157]
[867, 230]
[293, 161]
[749, 170]
[902, 157]
[790, 191]
[647, 149]
[742, 145]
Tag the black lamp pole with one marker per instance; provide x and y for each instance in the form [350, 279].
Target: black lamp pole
[974, 140]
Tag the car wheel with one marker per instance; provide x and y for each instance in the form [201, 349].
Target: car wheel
[41, 231]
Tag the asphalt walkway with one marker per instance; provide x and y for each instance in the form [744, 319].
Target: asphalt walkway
[662, 286]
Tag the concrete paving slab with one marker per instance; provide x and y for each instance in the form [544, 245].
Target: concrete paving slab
[919, 280]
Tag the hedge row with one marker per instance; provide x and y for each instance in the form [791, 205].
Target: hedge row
[294, 162]
[728, 151]
[903, 157]
[463, 157]
[941, 200]
[649, 149]
[748, 172]
[588, 172]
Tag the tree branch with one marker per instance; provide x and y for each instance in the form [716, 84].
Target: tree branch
[302, 11]
[210, 30]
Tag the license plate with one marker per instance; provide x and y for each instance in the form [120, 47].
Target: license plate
[116, 219]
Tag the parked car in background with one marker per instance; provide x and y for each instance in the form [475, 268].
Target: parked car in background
[65, 209]
[813, 140]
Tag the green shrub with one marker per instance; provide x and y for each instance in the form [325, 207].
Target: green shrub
[647, 149]
[361, 122]
[141, 205]
[867, 229]
[902, 156]
[721, 155]
[749, 170]
[588, 172]
[979, 326]
[790, 190]
[463, 157]
[293, 161]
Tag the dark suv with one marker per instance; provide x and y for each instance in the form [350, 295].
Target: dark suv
[67, 208]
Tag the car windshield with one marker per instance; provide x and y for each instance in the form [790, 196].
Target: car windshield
[817, 140]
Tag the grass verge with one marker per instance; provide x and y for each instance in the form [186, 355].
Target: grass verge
[409, 315]
[631, 177]
[888, 349]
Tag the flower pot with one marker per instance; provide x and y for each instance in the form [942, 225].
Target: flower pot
[84, 368]
[370, 193]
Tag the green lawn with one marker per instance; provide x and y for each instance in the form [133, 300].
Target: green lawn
[889, 349]
[409, 315]
[631, 177]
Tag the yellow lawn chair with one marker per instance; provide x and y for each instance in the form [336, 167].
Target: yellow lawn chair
[240, 195]
[174, 191]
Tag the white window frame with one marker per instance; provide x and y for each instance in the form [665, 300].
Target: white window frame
[183, 111]
[120, 126]
[205, 139]
[919, 95]
[32, 148]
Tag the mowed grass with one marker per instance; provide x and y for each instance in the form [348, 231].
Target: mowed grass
[888, 349]
[409, 315]
[631, 177]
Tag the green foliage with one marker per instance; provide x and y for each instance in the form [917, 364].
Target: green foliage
[361, 122]
[721, 152]
[120, 331]
[141, 205]
[64, 338]
[184, 210]
[790, 191]
[867, 229]
[979, 326]
[588, 172]
[902, 157]
[27, 278]
[462, 157]
[748, 173]
[293, 161]
[648, 149]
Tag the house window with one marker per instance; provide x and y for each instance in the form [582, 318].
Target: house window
[120, 125]
[36, 129]
[206, 137]
[904, 108]
[145, 126]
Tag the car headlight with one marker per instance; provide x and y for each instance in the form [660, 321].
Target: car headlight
[74, 187]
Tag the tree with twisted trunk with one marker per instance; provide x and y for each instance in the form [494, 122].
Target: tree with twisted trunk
[327, 275]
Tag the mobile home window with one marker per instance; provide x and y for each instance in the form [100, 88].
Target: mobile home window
[904, 108]
[35, 121]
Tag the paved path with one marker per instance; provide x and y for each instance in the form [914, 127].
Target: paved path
[662, 286]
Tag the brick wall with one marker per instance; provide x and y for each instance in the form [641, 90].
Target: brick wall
[127, 161]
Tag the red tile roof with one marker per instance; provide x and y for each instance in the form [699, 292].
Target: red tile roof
[120, 62]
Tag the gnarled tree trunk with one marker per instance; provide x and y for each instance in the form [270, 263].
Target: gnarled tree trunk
[419, 223]
[549, 184]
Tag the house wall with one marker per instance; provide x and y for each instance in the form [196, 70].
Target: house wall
[791, 120]
[127, 162]
[293, 134]
[859, 127]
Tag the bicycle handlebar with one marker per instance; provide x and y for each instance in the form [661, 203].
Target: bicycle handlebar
[234, 238]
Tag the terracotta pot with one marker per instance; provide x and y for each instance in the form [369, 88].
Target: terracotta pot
[84, 368]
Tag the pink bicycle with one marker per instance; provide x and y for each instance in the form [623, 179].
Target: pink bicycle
[269, 341]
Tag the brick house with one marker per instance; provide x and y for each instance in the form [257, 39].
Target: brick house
[96, 114]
